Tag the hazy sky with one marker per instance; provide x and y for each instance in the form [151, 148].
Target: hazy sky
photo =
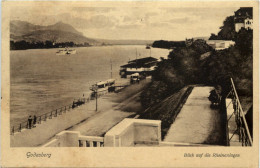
[131, 22]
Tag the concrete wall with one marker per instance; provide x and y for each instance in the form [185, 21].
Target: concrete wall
[147, 133]
[238, 26]
[64, 139]
[71, 139]
[130, 132]
[53, 143]
[127, 138]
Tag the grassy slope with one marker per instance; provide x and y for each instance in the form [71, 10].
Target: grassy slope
[168, 109]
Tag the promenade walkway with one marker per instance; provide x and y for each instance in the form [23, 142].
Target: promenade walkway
[197, 123]
[46, 130]
[97, 123]
[83, 118]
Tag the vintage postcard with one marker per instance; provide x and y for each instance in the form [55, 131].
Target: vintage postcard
[130, 84]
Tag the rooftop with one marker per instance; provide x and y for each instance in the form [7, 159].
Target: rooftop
[243, 13]
[142, 62]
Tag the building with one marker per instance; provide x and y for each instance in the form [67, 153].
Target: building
[243, 18]
[220, 44]
[143, 66]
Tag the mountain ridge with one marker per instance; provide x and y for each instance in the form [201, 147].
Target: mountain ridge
[58, 32]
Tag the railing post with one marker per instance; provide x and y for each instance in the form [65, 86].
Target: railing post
[40, 119]
[56, 113]
[241, 113]
[20, 127]
[13, 131]
[84, 143]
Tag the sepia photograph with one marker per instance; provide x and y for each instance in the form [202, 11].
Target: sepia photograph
[131, 75]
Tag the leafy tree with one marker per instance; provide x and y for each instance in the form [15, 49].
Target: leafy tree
[227, 31]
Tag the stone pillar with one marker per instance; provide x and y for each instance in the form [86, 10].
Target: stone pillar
[84, 143]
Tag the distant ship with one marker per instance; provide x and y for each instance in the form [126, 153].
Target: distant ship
[148, 47]
[66, 51]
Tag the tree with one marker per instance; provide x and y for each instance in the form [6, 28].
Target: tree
[244, 42]
[227, 31]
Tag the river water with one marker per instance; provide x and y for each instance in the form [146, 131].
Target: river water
[42, 81]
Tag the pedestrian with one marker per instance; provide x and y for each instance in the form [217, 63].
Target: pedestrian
[30, 122]
[34, 120]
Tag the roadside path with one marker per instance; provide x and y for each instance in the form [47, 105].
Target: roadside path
[83, 118]
[99, 124]
[197, 123]
[46, 130]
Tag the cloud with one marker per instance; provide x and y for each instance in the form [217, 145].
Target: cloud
[93, 9]
[130, 22]
[100, 21]
[162, 24]
[182, 20]
[132, 26]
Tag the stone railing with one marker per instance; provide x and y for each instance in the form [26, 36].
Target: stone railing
[134, 132]
[129, 132]
[91, 141]
[74, 139]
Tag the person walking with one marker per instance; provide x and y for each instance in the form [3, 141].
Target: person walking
[34, 120]
[30, 122]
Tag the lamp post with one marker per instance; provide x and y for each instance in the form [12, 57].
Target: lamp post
[95, 89]
[96, 98]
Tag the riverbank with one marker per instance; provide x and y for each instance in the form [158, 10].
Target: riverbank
[41, 81]
[84, 118]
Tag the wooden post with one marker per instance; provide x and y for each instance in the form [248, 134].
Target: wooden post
[51, 116]
[56, 113]
[13, 131]
[40, 120]
[96, 100]
[20, 128]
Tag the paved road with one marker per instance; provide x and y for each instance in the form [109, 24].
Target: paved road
[84, 119]
[197, 122]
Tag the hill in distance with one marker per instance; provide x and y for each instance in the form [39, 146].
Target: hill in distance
[59, 32]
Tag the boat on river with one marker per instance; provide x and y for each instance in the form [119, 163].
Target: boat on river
[66, 51]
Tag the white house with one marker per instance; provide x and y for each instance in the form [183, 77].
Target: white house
[243, 18]
[220, 44]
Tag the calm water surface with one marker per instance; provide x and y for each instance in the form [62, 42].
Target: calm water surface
[42, 81]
